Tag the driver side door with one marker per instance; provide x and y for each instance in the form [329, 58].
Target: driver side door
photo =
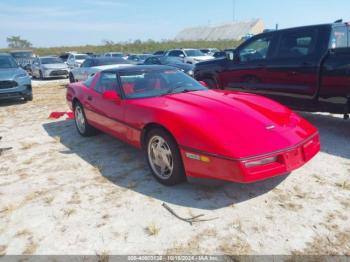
[247, 72]
[105, 114]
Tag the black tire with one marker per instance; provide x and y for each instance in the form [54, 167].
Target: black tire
[177, 175]
[28, 98]
[88, 130]
[71, 78]
[211, 84]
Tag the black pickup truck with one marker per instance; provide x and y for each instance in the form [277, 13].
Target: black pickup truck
[306, 68]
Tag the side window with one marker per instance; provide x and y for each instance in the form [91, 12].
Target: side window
[339, 37]
[85, 63]
[256, 50]
[176, 53]
[296, 44]
[149, 61]
[108, 81]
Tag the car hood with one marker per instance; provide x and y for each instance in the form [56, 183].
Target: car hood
[201, 58]
[236, 125]
[10, 73]
[55, 66]
[183, 66]
[105, 67]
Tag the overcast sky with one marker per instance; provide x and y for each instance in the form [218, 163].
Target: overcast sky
[80, 22]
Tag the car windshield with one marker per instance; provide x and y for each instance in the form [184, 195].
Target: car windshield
[51, 60]
[193, 52]
[22, 54]
[80, 57]
[170, 60]
[154, 83]
[110, 61]
[7, 62]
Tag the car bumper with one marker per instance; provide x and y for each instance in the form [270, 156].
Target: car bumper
[50, 73]
[16, 92]
[210, 166]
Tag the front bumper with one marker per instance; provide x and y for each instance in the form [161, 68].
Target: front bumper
[15, 88]
[236, 170]
[16, 92]
[50, 73]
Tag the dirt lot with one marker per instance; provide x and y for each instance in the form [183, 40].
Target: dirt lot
[63, 194]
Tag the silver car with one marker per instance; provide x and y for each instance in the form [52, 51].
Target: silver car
[75, 60]
[48, 67]
[14, 81]
[92, 65]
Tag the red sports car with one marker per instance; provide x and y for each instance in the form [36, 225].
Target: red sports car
[189, 131]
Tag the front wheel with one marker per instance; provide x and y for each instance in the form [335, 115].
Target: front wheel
[81, 123]
[164, 158]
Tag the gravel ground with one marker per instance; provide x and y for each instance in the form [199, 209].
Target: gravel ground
[64, 194]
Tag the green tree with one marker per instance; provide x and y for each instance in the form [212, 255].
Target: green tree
[17, 42]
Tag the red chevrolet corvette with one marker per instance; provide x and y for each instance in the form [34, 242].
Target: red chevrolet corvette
[187, 130]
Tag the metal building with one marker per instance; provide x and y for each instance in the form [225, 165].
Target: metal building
[228, 31]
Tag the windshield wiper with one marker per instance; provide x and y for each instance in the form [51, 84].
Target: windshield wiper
[172, 90]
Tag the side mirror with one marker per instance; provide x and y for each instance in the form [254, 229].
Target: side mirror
[111, 95]
[230, 56]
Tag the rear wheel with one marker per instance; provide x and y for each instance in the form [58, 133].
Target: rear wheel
[164, 158]
[71, 78]
[81, 123]
[211, 84]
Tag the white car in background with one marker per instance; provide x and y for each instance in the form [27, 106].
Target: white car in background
[75, 60]
[114, 54]
[92, 65]
[189, 55]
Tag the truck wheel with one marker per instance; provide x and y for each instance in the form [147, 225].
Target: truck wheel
[211, 84]
[163, 158]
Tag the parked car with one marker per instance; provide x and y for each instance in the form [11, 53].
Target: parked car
[190, 56]
[64, 57]
[114, 54]
[14, 81]
[137, 59]
[161, 52]
[75, 60]
[92, 65]
[170, 61]
[246, 37]
[209, 51]
[190, 132]
[24, 58]
[306, 68]
[49, 67]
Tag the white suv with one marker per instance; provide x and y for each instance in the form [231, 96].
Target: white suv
[189, 56]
